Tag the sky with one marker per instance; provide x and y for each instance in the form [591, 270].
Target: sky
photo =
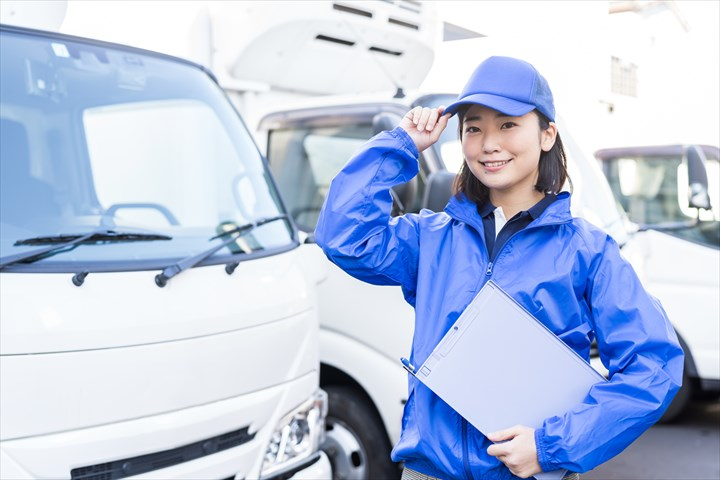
[679, 79]
[569, 42]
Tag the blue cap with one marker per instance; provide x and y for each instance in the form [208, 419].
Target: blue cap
[508, 85]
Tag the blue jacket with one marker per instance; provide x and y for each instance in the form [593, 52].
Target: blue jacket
[567, 273]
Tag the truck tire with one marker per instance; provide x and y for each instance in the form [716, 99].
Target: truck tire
[683, 396]
[355, 440]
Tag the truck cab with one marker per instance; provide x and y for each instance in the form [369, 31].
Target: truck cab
[157, 316]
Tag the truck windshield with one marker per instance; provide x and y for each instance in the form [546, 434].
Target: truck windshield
[100, 136]
[651, 184]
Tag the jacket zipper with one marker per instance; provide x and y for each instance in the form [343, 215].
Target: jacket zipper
[488, 273]
[491, 263]
[466, 462]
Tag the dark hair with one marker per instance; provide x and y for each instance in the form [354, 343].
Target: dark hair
[552, 173]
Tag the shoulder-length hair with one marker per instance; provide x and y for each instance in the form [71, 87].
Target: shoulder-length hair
[552, 173]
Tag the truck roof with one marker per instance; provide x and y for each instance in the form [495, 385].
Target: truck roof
[606, 154]
[62, 37]
[347, 105]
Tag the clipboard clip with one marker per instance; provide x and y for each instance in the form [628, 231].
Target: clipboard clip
[408, 366]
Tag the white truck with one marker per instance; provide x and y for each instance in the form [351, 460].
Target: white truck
[365, 329]
[672, 193]
[157, 316]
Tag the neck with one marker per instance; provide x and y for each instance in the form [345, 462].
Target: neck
[512, 202]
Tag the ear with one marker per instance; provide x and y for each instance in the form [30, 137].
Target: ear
[547, 137]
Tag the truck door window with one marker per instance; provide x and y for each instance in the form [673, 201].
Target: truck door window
[305, 160]
[653, 189]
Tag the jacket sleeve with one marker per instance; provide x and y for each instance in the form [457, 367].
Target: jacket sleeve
[639, 347]
[355, 228]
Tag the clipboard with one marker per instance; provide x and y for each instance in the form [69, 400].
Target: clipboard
[498, 366]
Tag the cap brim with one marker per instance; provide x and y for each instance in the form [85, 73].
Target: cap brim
[504, 105]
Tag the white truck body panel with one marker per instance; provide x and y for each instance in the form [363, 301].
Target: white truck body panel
[162, 345]
[685, 277]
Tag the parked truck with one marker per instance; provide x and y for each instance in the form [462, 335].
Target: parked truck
[150, 169]
[157, 316]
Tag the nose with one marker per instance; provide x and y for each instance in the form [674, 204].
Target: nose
[490, 143]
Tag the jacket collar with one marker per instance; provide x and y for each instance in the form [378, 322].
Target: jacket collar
[464, 210]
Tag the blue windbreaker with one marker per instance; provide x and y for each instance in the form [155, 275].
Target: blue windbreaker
[567, 273]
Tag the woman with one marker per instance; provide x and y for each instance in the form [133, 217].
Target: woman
[509, 222]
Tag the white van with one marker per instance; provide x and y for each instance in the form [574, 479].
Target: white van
[157, 317]
[365, 329]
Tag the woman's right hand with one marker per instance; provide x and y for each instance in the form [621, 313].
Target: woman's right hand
[424, 125]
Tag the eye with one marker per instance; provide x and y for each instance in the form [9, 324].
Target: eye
[507, 125]
[471, 129]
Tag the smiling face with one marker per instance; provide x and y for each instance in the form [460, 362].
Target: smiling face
[503, 153]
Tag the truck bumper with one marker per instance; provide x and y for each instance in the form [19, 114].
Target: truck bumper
[317, 469]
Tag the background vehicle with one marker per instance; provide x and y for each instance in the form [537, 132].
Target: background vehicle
[672, 193]
[365, 329]
[157, 316]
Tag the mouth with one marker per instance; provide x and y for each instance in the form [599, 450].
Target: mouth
[495, 163]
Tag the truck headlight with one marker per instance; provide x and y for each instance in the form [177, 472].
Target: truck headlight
[296, 436]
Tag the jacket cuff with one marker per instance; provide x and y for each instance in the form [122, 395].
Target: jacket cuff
[542, 455]
[402, 135]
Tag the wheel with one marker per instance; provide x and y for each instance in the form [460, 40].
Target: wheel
[680, 401]
[355, 440]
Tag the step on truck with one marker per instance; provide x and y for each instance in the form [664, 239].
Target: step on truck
[157, 319]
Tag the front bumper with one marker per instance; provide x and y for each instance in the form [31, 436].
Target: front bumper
[316, 468]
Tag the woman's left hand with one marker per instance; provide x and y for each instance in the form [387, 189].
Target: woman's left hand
[517, 450]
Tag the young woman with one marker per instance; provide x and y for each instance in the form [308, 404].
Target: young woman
[510, 221]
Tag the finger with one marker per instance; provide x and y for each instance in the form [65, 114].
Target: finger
[440, 127]
[502, 435]
[416, 112]
[444, 117]
[498, 450]
[432, 120]
[424, 117]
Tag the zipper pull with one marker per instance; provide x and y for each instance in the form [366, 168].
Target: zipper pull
[489, 269]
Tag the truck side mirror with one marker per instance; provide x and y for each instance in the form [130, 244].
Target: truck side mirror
[698, 196]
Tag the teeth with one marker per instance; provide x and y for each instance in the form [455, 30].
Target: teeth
[495, 164]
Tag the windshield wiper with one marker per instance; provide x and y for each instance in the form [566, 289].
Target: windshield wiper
[62, 243]
[186, 263]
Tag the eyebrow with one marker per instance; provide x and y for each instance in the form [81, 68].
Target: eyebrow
[479, 117]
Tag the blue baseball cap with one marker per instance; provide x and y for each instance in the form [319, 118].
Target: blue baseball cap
[508, 85]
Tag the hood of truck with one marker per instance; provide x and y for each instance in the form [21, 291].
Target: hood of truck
[119, 347]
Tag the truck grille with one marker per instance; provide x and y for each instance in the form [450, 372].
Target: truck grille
[155, 461]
